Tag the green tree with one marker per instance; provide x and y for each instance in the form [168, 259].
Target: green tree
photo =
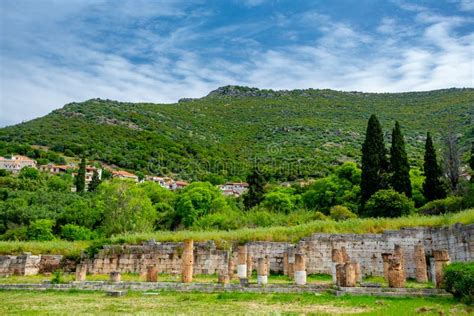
[199, 199]
[432, 186]
[279, 201]
[388, 203]
[80, 180]
[400, 179]
[41, 230]
[95, 182]
[471, 162]
[126, 208]
[374, 160]
[256, 190]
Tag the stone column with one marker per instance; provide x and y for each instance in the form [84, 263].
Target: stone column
[285, 263]
[242, 262]
[420, 263]
[223, 278]
[152, 274]
[396, 275]
[81, 271]
[249, 265]
[230, 267]
[115, 276]
[345, 255]
[336, 257]
[300, 269]
[262, 271]
[346, 274]
[399, 253]
[386, 264]
[357, 271]
[441, 259]
[187, 261]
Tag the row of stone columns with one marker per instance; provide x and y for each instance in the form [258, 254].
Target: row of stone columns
[394, 266]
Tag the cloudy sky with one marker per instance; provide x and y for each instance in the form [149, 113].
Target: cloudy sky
[55, 52]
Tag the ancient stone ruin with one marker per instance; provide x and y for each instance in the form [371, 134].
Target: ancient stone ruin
[396, 255]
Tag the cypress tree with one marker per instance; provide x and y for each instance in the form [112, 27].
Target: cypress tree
[95, 181]
[432, 186]
[400, 179]
[471, 162]
[374, 160]
[256, 189]
[81, 176]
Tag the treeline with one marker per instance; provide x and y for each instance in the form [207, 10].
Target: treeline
[40, 206]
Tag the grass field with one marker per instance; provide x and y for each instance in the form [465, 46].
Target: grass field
[166, 303]
[223, 238]
[134, 277]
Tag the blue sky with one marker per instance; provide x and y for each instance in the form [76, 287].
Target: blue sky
[54, 52]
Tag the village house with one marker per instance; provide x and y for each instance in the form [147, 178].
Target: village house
[90, 173]
[234, 188]
[16, 163]
[179, 185]
[122, 174]
[62, 169]
[56, 169]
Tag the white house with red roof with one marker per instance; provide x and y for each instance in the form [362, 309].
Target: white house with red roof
[16, 163]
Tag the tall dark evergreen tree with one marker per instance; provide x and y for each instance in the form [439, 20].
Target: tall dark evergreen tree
[374, 160]
[471, 162]
[81, 176]
[432, 187]
[256, 189]
[452, 160]
[399, 166]
[95, 181]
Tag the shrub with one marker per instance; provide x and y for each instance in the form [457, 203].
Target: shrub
[459, 280]
[57, 277]
[388, 203]
[340, 213]
[16, 233]
[219, 221]
[449, 204]
[279, 202]
[74, 232]
[41, 230]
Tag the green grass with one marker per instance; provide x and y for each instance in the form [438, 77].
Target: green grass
[223, 238]
[134, 277]
[411, 283]
[166, 303]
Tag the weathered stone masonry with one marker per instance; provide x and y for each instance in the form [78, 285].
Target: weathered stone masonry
[366, 249]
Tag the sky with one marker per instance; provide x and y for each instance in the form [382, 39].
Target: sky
[53, 52]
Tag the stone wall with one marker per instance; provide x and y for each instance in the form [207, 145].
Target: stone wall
[363, 248]
[27, 264]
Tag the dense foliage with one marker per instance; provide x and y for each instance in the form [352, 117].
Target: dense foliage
[300, 133]
[310, 144]
[459, 280]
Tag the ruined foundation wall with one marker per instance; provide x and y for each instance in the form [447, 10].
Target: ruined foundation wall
[366, 249]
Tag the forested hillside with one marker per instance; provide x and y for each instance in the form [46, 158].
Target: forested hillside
[292, 133]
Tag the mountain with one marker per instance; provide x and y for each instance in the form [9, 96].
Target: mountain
[291, 133]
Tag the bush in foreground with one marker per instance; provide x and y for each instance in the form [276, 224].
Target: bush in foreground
[459, 280]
